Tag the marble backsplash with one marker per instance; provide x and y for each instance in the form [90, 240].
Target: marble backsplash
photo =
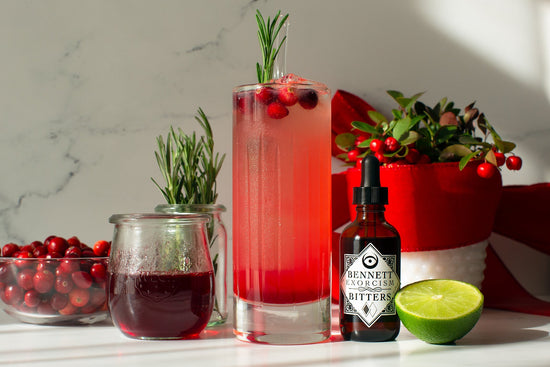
[87, 86]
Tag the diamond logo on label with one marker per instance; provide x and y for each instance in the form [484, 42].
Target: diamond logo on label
[369, 283]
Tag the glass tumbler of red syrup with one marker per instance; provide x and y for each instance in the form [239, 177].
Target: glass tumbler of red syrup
[161, 279]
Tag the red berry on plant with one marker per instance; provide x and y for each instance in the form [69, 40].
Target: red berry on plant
[377, 146]
[359, 140]
[287, 96]
[412, 156]
[101, 248]
[43, 281]
[391, 144]
[276, 110]
[486, 170]
[501, 158]
[352, 155]
[514, 163]
[381, 158]
[424, 158]
[308, 99]
[58, 244]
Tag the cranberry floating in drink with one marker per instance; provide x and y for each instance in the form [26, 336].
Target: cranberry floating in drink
[161, 280]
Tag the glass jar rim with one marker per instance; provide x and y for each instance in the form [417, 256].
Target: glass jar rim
[189, 208]
[169, 218]
[308, 84]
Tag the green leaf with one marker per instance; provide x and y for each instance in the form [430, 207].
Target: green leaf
[401, 128]
[454, 151]
[395, 94]
[445, 133]
[467, 158]
[376, 116]
[491, 158]
[345, 141]
[363, 126]
[410, 137]
[508, 146]
[468, 140]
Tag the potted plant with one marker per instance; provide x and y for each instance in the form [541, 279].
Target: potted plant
[190, 166]
[442, 166]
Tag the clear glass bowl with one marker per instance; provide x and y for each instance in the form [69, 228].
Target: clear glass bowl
[55, 291]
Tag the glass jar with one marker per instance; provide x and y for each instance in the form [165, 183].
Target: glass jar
[217, 244]
[160, 275]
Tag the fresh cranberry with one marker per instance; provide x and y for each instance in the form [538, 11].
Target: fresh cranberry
[32, 298]
[501, 158]
[45, 309]
[26, 248]
[13, 294]
[88, 253]
[486, 170]
[244, 101]
[9, 249]
[6, 273]
[73, 241]
[25, 279]
[58, 245]
[391, 144]
[35, 244]
[277, 110]
[97, 296]
[67, 266]
[412, 156]
[63, 284]
[70, 309]
[43, 281]
[98, 272]
[54, 255]
[265, 95]
[82, 279]
[48, 239]
[101, 248]
[59, 301]
[73, 251]
[20, 263]
[39, 251]
[308, 99]
[352, 155]
[287, 96]
[79, 297]
[89, 308]
[513, 162]
[45, 265]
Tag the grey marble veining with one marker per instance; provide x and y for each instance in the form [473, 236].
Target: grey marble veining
[87, 86]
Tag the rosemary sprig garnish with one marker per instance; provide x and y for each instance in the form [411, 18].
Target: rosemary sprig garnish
[267, 35]
[188, 165]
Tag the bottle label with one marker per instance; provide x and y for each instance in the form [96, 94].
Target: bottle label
[369, 283]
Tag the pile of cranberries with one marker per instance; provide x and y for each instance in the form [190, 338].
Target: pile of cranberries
[56, 277]
[381, 148]
[276, 100]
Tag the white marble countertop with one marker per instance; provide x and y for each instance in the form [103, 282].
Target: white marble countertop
[499, 339]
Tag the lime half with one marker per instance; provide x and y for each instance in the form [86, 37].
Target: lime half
[439, 311]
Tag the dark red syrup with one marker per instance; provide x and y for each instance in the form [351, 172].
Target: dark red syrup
[161, 305]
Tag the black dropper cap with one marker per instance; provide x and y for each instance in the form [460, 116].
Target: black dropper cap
[370, 192]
